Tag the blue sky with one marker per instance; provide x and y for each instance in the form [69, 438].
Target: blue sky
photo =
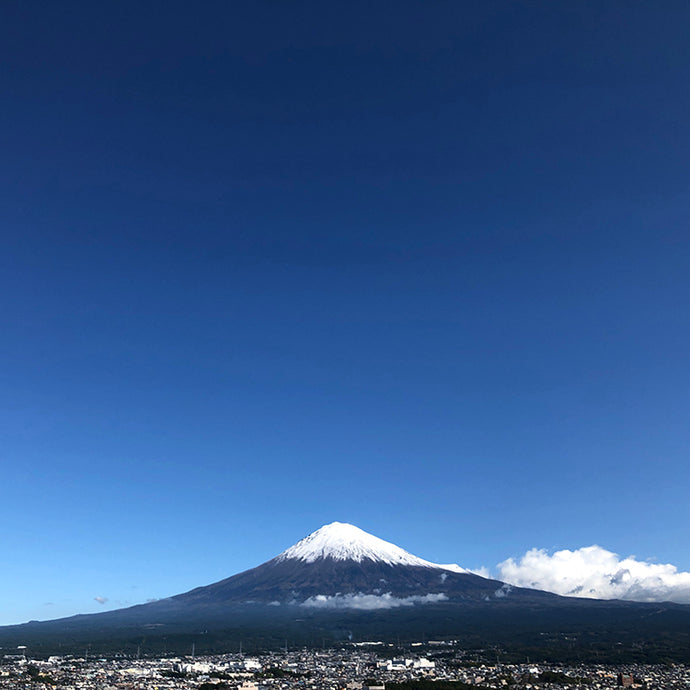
[420, 267]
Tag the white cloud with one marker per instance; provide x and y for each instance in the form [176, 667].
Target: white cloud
[596, 573]
[100, 600]
[503, 591]
[482, 572]
[369, 602]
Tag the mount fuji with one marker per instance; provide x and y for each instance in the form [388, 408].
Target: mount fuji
[341, 566]
[341, 583]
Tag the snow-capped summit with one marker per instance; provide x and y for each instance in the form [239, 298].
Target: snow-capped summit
[341, 541]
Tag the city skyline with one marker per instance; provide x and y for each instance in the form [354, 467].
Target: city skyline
[420, 268]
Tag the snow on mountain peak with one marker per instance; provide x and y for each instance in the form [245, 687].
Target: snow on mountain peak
[344, 542]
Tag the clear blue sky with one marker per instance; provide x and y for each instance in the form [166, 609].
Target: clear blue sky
[422, 267]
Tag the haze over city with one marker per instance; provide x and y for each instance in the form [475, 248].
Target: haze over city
[419, 267]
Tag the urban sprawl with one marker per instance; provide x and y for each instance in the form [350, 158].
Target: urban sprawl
[372, 666]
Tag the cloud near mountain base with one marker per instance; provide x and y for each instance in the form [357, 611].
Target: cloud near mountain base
[595, 573]
[369, 602]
